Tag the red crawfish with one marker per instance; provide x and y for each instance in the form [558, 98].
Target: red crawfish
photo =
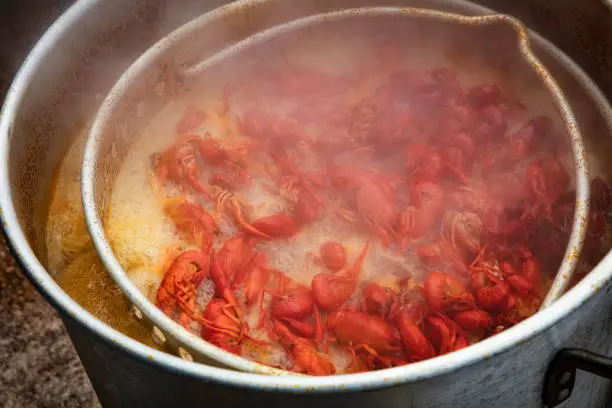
[358, 329]
[376, 300]
[230, 178]
[427, 194]
[332, 255]
[181, 280]
[332, 290]
[442, 254]
[491, 124]
[371, 195]
[416, 221]
[303, 352]
[292, 303]
[445, 293]
[416, 345]
[527, 278]
[308, 204]
[474, 321]
[193, 221]
[220, 327]
[221, 281]
[445, 334]
[430, 254]
[516, 281]
[557, 179]
[275, 226]
[424, 163]
[546, 182]
[490, 291]
[178, 165]
[301, 328]
[212, 153]
[255, 275]
[516, 310]
[234, 254]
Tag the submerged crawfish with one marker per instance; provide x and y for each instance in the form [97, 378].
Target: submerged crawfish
[292, 303]
[445, 293]
[194, 221]
[372, 196]
[416, 345]
[181, 280]
[222, 287]
[305, 357]
[376, 300]
[221, 327]
[275, 226]
[254, 274]
[178, 165]
[445, 334]
[418, 220]
[462, 230]
[234, 254]
[360, 331]
[332, 290]
[332, 255]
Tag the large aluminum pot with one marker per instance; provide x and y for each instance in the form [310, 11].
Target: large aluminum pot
[59, 88]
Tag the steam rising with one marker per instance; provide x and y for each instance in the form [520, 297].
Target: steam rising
[281, 81]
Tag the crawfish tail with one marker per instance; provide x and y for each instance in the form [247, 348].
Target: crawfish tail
[244, 224]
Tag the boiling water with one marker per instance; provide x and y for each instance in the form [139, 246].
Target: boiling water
[144, 239]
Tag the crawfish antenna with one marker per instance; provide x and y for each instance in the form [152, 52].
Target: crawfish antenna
[359, 260]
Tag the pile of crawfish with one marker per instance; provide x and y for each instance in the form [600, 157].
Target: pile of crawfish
[486, 207]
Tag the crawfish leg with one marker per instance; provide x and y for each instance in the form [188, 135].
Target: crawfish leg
[244, 224]
[262, 313]
[319, 331]
[478, 257]
[229, 297]
[354, 359]
[228, 330]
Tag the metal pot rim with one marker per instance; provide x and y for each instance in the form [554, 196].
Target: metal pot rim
[354, 382]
